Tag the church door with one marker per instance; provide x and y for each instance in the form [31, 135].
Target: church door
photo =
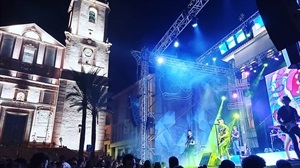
[14, 129]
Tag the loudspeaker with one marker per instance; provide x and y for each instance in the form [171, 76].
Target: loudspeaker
[210, 160]
[282, 21]
[134, 106]
[292, 56]
[205, 159]
[150, 122]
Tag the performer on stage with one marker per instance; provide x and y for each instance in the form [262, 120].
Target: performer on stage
[288, 117]
[190, 148]
[287, 145]
[235, 139]
[223, 138]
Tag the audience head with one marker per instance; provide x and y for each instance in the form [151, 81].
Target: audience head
[227, 164]
[163, 164]
[147, 164]
[128, 161]
[173, 161]
[157, 165]
[39, 160]
[283, 164]
[253, 161]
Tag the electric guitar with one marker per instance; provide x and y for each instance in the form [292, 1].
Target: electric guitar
[189, 143]
[287, 127]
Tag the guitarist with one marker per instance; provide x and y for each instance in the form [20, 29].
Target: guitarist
[190, 148]
[288, 117]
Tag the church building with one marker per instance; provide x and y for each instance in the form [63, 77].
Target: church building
[34, 81]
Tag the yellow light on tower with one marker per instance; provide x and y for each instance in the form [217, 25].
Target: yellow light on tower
[236, 115]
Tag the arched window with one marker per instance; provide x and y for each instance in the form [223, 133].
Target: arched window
[32, 34]
[92, 15]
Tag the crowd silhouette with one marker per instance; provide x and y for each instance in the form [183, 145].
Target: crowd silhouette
[41, 160]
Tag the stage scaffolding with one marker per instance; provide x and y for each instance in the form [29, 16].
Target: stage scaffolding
[143, 60]
[146, 58]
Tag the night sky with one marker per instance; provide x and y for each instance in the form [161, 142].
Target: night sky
[134, 24]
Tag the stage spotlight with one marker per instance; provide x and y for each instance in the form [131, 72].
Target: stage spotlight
[236, 115]
[254, 71]
[265, 64]
[176, 43]
[160, 60]
[214, 59]
[223, 98]
[234, 95]
[245, 74]
[276, 59]
[195, 22]
[206, 63]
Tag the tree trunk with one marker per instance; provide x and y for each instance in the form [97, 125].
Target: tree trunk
[94, 115]
[82, 133]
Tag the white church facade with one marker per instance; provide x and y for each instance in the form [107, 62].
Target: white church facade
[35, 78]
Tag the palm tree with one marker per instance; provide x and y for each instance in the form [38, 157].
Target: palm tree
[97, 102]
[79, 99]
[90, 93]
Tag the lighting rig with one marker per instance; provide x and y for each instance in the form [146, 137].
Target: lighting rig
[142, 57]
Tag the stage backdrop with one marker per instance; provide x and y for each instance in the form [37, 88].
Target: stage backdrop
[283, 82]
[185, 99]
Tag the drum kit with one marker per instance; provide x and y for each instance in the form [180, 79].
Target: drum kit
[277, 138]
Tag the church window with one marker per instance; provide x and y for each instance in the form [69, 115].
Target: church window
[7, 46]
[32, 34]
[92, 15]
[50, 56]
[20, 96]
[28, 54]
[48, 97]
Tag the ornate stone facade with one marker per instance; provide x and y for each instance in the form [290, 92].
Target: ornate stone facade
[34, 78]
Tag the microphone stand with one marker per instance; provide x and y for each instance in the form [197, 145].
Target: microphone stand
[263, 122]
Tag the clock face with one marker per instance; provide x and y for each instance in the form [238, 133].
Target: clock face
[87, 52]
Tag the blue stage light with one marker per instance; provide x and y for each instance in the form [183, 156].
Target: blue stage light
[160, 60]
[176, 44]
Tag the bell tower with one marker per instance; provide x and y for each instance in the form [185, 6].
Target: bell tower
[86, 43]
[86, 47]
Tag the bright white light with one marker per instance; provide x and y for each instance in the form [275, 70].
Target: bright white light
[176, 44]
[223, 98]
[247, 73]
[234, 95]
[195, 24]
[214, 59]
[160, 60]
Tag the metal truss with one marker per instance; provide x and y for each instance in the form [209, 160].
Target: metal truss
[143, 60]
[178, 26]
[171, 61]
[144, 109]
[237, 86]
[216, 46]
[258, 59]
[235, 105]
